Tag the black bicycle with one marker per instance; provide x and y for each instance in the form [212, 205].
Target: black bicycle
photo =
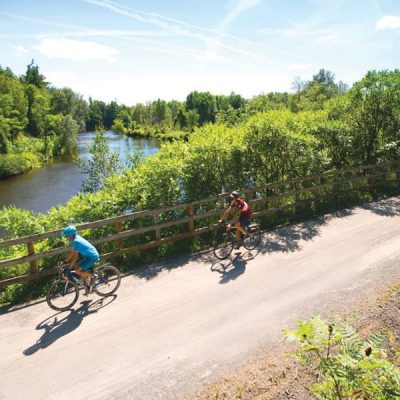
[64, 292]
[225, 240]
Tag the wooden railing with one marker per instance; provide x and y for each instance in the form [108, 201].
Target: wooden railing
[265, 200]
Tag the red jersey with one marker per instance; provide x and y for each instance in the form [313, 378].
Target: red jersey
[242, 206]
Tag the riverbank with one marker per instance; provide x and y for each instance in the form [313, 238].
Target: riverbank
[17, 164]
[160, 135]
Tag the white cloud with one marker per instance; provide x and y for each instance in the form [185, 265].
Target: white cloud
[75, 50]
[239, 8]
[19, 50]
[296, 67]
[388, 22]
[61, 78]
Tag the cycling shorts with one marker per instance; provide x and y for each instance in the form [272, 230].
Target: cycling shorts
[244, 220]
[87, 262]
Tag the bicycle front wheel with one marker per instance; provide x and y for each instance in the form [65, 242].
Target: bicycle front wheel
[108, 281]
[62, 295]
[223, 246]
[252, 238]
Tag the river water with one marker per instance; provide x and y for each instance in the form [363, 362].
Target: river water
[53, 184]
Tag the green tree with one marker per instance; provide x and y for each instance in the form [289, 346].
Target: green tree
[205, 105]
[64, 101]
[101, 164]
[33, 77]
[374, 114]
[13, 107]
[66, 130]
[110, 114]
[96, 114]
[316, 92]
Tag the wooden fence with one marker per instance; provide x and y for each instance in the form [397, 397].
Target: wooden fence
[198, 217]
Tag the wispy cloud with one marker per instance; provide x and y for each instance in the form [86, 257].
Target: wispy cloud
[298, 67]
[183, 29]
[75, 50]
[76, 31]
[239, 7]
[19, 50]
[59, 78]
[323, 36]
[388, 22]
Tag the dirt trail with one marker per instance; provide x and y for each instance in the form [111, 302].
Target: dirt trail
[174, 327]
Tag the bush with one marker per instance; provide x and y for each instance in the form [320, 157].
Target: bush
[348, 367]
[14, 164]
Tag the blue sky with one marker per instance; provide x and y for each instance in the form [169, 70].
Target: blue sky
[136, 51]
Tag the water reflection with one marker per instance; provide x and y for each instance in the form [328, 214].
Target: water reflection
[55, 183]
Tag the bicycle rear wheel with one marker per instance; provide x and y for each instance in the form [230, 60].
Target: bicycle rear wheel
[108, 281]
[252, 238]
[62, 295]
[223, 246]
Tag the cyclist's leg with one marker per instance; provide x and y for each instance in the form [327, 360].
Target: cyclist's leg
[243, 223]
[84, 268]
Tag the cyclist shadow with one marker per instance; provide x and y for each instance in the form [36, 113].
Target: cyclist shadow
[55, 327]
[231, 268]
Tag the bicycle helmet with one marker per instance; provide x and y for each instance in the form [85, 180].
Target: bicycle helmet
[234, 195]
[69, 231]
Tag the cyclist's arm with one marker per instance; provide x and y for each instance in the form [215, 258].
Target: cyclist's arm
[72, 258]
[226, 213]
[234, 218]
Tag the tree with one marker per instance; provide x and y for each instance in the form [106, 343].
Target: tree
[13, 107]
[64, 101]
[110, 113]
[313, 94]
[96, 115]
[100, 166]
[33, 76]
[205, 105]
[375, 116]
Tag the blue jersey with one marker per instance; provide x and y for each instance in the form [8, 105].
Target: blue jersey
[84, 248]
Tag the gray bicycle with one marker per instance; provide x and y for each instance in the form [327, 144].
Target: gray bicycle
[226, 240]
[64, 292]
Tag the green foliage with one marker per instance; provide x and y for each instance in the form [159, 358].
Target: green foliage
[66, 142]
[204, 103]
[278, 147]
[100, 166]
[66, 102]
[14, 164]
[13, 108]
[50, 116]
[313, 94]
[374, 115]
[349, 367]
[33, 77]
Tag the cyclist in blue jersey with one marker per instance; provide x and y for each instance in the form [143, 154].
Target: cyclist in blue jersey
[81, 247]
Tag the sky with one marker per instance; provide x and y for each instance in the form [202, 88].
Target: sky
[135, 51]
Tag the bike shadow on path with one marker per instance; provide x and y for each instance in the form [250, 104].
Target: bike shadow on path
[63, 323]
[234, 266]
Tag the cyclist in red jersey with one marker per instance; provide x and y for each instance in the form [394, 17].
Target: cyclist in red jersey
[243, 211]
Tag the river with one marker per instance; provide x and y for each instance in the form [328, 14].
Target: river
[56, 182]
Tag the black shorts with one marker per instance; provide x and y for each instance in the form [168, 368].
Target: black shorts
[244, 220]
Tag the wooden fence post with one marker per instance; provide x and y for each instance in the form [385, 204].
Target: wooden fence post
[32, 264]
[156, 219]
[190, 212]
[118, 229]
